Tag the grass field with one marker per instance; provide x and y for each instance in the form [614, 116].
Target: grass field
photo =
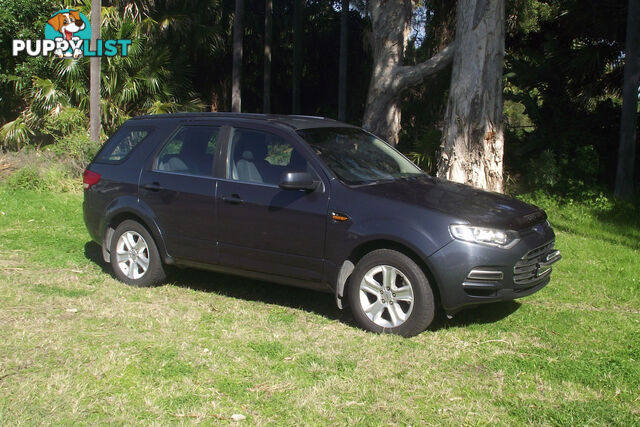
[76, 346]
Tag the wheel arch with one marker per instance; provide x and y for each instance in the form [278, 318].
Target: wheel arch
[346, 270]
[118, 216]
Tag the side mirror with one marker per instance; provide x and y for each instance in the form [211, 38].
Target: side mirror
[298, 181]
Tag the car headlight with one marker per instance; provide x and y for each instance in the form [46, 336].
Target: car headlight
[484, 236]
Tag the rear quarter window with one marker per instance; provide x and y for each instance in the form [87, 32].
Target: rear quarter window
[122, 144]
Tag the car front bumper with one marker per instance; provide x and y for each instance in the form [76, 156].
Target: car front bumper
[469, 274]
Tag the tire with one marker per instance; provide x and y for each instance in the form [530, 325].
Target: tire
[132, 235]
[377, 308]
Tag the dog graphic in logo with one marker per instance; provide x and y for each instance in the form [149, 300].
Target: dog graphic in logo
[67, 34]
[71, 24]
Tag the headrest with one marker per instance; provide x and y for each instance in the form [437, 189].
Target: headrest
[247, 155]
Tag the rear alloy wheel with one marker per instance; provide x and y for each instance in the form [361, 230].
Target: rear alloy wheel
[390, 293]
[134, 255]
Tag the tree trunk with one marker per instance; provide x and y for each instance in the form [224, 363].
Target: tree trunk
[268, 29]
[390, 20]
[473, 142]
[297, 53]
[629, 119]
[94, 74]
[342, 72]
[238, 33]
[215, 101]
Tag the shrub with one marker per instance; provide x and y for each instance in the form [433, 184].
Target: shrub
[53, 178]
[543, 171]
[423, 150]
[77, 147]
[27, 178]
[64, 121]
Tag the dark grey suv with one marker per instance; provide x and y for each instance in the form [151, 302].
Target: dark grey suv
[309, 202]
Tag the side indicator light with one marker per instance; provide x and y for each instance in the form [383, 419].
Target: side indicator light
[339, 217]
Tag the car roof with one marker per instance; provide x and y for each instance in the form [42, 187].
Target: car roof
[293, 121]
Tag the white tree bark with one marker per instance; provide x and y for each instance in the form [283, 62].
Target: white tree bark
[390, 21]
[472, 147]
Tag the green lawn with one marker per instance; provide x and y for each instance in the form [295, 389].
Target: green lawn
[78, 346]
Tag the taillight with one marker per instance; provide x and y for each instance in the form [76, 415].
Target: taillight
[90, 178]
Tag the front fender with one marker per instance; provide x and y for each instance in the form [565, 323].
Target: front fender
[376, 233]
[416, 237]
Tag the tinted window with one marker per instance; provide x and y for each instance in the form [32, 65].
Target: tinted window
[120, 145]
[190, 150]
[358, 157]
[262, 157]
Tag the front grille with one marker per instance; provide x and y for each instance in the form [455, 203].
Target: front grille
[526, 271]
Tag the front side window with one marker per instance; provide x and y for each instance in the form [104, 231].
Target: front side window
[122, 144]
[191, 151]
[262, 157]
[358, 157]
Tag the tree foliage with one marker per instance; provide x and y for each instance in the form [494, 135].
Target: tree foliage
[564, 71]
[145, 81]
[562, 80]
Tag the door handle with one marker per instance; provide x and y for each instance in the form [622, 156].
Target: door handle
[154, 186]
[234, 199]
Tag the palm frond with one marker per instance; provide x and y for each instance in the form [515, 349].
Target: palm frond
[16, 134]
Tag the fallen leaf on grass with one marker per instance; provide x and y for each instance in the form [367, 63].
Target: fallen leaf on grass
[238, 417]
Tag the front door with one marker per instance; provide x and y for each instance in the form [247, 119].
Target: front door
[179, 187]
[264, 228]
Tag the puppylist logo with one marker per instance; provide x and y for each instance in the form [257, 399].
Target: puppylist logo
[67, 34]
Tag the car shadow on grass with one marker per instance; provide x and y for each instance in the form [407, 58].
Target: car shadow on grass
[319, 303]
[316, 302]
[480, 315]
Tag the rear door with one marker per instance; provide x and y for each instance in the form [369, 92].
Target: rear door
[179, 186]
[262, 227]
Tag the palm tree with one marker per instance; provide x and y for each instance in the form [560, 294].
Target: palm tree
[94, 81]
[142, 82]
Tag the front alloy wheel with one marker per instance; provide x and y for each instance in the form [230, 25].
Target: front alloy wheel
[389, 293]
[386, 296]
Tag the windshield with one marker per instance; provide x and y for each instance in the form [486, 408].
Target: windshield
[358, 157]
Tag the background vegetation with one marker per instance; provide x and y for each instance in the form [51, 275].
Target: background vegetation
[563, 78]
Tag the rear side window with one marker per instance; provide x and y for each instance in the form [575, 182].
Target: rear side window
[120, 145]
[191, 151]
